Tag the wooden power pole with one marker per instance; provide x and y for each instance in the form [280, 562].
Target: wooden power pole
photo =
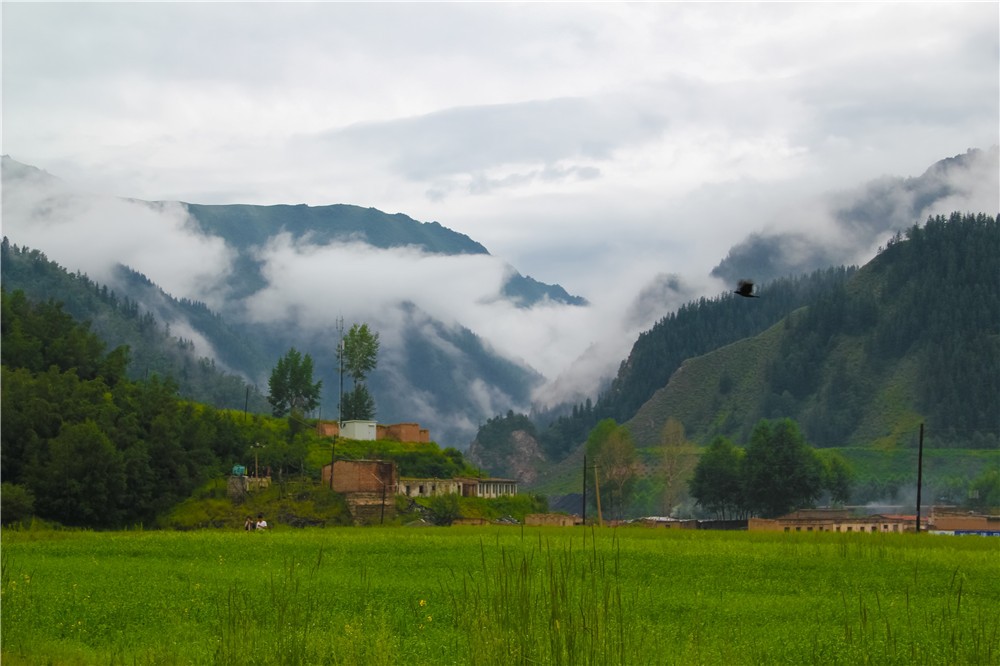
[597, 487]
[920, 472]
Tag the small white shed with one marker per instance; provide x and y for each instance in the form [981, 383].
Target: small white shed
[361, 430]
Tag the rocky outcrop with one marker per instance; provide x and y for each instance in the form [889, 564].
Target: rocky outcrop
[519, 458]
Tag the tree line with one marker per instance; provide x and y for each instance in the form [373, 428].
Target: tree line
[776, 473]
[82, 444]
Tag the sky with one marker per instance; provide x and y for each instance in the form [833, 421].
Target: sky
[606, 147]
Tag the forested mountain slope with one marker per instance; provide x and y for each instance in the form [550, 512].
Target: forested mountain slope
[913, 336]
[141, 320]
[694, 329]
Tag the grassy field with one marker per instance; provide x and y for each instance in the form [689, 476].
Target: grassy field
[497, 595]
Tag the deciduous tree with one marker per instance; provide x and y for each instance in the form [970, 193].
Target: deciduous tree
[359, 354]
[292, 390]
[611, 448]
[781, 471]
[717, 483]
[360, 351]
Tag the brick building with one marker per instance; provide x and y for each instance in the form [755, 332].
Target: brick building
[368, 430]
[367, 485]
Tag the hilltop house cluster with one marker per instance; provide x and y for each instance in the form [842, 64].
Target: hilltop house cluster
[370, 485]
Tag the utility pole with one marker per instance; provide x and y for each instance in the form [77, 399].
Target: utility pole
[597, 487]
[340, 348]
[340, 401]
[920, 472]
[585, 490]
[381, 520]
[333, 458]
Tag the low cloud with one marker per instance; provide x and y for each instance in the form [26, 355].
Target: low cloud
[847, 227]
[310, 286]
[94, 234]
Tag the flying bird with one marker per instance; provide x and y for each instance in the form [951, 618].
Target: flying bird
[745, 288]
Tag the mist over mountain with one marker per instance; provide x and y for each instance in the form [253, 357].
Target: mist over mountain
[284, 276]
[464, 335]
[860, 220]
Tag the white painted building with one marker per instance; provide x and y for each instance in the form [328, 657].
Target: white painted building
[361, 430]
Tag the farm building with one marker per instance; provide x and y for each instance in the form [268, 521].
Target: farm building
[955, 522]
[489, 488]
[552, 519]
[367, 485]
[412, 487]
[833, 520]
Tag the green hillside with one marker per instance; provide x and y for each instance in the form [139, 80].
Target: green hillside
[912, 337]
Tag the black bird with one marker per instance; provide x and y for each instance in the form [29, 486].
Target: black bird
[745, 288]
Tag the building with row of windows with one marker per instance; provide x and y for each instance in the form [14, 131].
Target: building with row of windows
[466, 487]
[834, 520]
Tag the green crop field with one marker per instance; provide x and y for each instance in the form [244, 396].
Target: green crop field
[498, 595]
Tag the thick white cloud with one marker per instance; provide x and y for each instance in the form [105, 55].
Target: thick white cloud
[94, 233]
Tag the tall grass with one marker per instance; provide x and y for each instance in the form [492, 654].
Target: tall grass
[552, 603]
[492, 595]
